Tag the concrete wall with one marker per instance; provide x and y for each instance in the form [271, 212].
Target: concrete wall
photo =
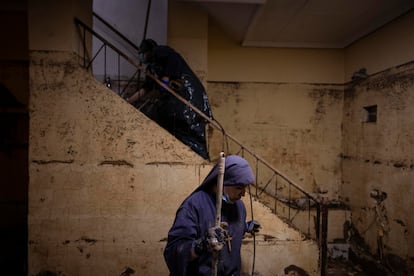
[105, 181]
[228, 61]
[387, 47]
[296, 128]
[277, 245]
[55, 30]
[379, 156]
[188, 34]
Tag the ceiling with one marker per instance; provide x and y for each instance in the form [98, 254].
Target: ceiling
[302, 23]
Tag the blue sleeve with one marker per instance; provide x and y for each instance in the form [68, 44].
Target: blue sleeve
[180, 239]
[192, 221]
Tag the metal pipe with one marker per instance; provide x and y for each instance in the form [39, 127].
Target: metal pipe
[146, 19]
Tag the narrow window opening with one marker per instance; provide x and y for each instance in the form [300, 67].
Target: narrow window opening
[370, 113]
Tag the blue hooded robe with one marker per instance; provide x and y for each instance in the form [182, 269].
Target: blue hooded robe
[197, 214]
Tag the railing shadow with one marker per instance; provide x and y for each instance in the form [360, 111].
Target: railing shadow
[287, 199]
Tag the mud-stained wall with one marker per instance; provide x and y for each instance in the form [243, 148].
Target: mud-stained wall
[378, 168]
[105, 181]
[277, 246]
[296, 128]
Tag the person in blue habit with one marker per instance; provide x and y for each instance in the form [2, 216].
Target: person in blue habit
[194, 237]
[182, 121]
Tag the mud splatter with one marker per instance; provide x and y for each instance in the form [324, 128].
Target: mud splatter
[127, 272]
[45, 162]
[116, 163]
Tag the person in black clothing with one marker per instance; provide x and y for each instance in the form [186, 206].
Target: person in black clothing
[180, 120]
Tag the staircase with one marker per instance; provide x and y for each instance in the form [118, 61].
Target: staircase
[295, 222]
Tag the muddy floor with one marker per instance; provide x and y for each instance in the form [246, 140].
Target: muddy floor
[344, 268]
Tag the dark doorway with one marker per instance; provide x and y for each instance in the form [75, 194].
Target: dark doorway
[14, 126]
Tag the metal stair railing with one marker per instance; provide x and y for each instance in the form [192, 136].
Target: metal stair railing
[106, 49]
[287, 199]
[124, 42]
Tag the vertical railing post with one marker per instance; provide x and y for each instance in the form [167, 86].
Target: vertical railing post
[84, 46]
[276, 194]
[104, 63]
[119, 74]
[257, 177]
[289, 200]
[323, 240]
[309, 217]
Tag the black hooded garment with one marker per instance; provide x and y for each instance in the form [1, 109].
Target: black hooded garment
[197, 214]
[180, 120]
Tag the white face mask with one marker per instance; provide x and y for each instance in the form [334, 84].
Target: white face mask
[226, 199]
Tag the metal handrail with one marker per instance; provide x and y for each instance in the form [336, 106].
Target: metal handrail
[115, 31]
[285, 200]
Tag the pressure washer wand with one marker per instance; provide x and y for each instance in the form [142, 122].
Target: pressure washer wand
[219, 194]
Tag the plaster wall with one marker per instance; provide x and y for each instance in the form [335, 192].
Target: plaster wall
[51, 25]
[378, 156]
[229, 61]
[294, 127]
[188, 35]
[277, 246]
[385, 48]
[105, 181]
